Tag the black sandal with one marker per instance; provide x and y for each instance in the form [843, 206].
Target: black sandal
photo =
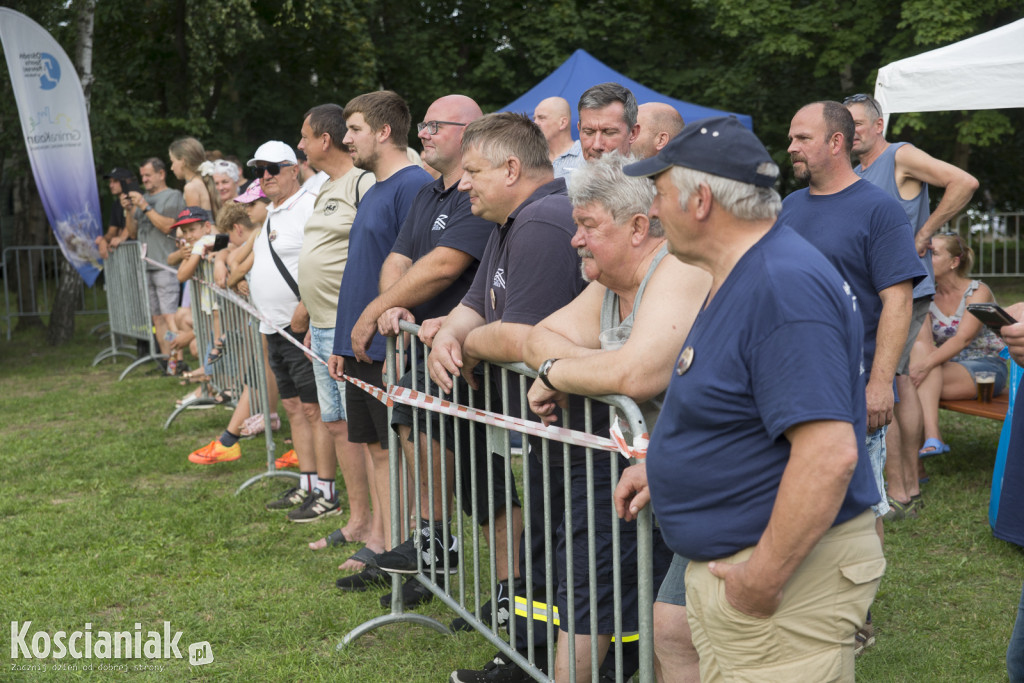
[217, 352]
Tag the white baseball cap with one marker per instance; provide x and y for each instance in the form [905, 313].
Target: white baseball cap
[274, 152]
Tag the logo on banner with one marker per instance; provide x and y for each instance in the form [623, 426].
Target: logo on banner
[51, 77]
[42, 66]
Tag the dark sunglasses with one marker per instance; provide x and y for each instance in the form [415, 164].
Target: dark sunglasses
[272, 169]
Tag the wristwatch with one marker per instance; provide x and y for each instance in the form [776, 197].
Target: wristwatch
[545, 368]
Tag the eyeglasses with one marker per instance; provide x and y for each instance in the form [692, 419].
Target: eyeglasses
[432, 126]
[272, 169]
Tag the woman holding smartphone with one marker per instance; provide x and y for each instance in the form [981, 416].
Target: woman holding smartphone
[954, 347]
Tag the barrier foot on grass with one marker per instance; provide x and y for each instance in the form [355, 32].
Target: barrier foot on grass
[110, 353]
[266, 475]
[100, 326]
[401, 618]
[141, 361]
[178, 410]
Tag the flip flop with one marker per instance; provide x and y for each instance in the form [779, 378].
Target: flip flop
[936, 446]
[332, 540]
[363, 555]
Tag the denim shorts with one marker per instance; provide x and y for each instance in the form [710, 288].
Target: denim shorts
[988, 364]
[876, 454]
[329, 392]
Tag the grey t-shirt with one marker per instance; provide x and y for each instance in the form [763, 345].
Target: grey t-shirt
[158, 245]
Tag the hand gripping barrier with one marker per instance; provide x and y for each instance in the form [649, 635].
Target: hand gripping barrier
[565, 477]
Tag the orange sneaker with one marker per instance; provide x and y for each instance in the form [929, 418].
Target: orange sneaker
[289, 459]
[215, 452]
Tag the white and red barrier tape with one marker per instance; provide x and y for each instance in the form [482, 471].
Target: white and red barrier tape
[418, 399]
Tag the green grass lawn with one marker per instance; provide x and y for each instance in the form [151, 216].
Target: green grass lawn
[103, 521]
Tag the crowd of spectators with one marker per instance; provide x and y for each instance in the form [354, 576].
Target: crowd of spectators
[777, 349]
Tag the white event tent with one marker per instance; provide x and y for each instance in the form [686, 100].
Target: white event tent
[985, 71]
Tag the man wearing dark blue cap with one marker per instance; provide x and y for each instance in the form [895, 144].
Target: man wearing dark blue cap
[758, 472]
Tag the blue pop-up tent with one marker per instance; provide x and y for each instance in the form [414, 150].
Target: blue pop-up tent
[582, 71]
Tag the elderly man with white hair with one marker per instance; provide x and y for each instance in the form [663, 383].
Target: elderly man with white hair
[647, 302]
[757, 468]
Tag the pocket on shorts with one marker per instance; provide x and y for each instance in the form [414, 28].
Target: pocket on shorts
[860, 573]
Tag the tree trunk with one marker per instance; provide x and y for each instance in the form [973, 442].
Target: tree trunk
[68, 296]
[69, 283]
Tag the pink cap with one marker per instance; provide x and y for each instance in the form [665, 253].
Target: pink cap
[251, 194]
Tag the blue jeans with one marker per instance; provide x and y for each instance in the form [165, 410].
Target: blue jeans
[876, 454]
[329, 392]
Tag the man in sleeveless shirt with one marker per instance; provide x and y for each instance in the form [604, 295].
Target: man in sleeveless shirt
[905, 172]
[621, 336]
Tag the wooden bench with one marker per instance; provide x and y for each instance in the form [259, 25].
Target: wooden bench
[996, 410]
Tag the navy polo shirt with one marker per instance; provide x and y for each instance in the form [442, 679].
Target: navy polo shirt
[442, 217]
[529, 269]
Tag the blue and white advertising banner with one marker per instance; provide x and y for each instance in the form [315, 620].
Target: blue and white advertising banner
[56, 128]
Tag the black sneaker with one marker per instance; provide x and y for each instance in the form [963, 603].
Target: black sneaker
[402, 558]
[315, 507]
[293, 497]
[371, 577]
[501, 597]
[414, 594]
[499, 670]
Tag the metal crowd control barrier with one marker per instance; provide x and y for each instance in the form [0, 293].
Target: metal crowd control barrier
[459, 587]
[996, 239]
[240, 370]
[37, 268]
[128, 303]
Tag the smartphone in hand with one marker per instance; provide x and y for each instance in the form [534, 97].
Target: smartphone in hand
[991, 315]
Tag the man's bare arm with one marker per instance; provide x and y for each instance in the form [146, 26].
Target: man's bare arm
[958, 184]
[571, 331]
[498, 342]
[445, 360]
[891, 336]
[422, 281]
[642, 367]
[823, 456]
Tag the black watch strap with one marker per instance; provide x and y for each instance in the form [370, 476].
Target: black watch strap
[545, 368]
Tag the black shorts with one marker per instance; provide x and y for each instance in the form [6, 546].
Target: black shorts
[464, 433]
[293, 371]
[367, 417]
[599, 499]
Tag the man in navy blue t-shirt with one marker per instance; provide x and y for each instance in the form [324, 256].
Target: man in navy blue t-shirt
[757, 468]
[865, 234]
[378, 125]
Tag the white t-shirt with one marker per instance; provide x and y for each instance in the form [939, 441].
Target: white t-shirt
[270, 291]
[315, 182]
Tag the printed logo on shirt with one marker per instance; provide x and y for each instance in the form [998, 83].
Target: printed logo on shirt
[331, 206]
[439, 222]
[849, 293]
[499, 278]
